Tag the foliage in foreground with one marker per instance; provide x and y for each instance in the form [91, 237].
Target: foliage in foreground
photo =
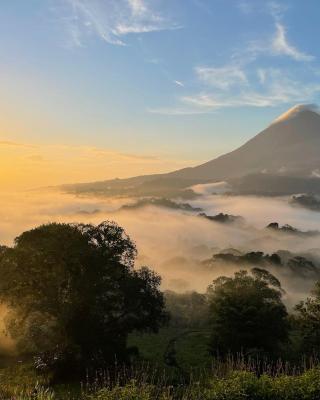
[19, 382]
[235, 385]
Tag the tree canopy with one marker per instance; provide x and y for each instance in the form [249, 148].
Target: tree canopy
[188, 310]
[307, 320]
[247, 313]
[74, 294]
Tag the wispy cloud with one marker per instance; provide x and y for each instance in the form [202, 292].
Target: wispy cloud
[245, 6]
[35, 158]
[276, 93]
[207, 103]
[247, 82]
[100, 152]
[174, 111]
[281, 46]
[222, 77]
[273, 8]
[111, 20]
[277, 44]
[138, 6]
[8, 143]
[179, 83]
[263, 88]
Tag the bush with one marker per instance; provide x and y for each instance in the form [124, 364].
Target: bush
[238, 385]
[132, 391]
[246, 385]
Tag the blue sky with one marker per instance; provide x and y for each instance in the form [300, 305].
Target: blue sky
[182, 80]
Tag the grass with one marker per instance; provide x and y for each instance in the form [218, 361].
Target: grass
[192, 350]
[188, 346]
[20, 380]
[234, 385]
[192, 375]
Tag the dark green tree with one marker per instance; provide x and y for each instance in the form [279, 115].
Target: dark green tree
[307, 323]
[74, 294]
[247, 314]
[187, 310]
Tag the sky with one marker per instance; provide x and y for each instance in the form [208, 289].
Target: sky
[97, 89]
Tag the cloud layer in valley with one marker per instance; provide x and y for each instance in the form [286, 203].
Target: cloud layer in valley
[174, 242]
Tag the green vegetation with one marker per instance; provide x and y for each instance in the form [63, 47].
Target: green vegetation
[89, 325]
[307, 320]
[74, 296]
[174, 349]
[247, 313]
[222, 383]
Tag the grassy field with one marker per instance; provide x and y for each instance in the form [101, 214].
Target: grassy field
[180, 348]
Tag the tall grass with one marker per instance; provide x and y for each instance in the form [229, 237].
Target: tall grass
[234, 378]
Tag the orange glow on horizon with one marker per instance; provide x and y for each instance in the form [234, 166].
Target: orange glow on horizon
[24, 166]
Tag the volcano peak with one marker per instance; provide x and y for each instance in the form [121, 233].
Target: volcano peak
[296, 111]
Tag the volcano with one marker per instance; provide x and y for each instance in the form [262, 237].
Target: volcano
[290, 145]
[282, 159]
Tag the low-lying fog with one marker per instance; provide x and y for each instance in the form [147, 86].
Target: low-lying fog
[175, 242]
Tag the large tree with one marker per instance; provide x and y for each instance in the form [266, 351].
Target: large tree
[247, 314]
[75, 295]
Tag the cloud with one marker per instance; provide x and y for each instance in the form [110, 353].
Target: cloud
[273, 8]
[111, 20]
[179, 83]
[204, 101]
[280, 46]
[265, 87]
[262, 75]
[277, 44]
[126, 156]
[222, 77]
[172, 242]
[276, 9]
[245, 81]
[8, 143]
[138, 7]
[245, 6]
[177, 111]
[277, 89]
[35, 158]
